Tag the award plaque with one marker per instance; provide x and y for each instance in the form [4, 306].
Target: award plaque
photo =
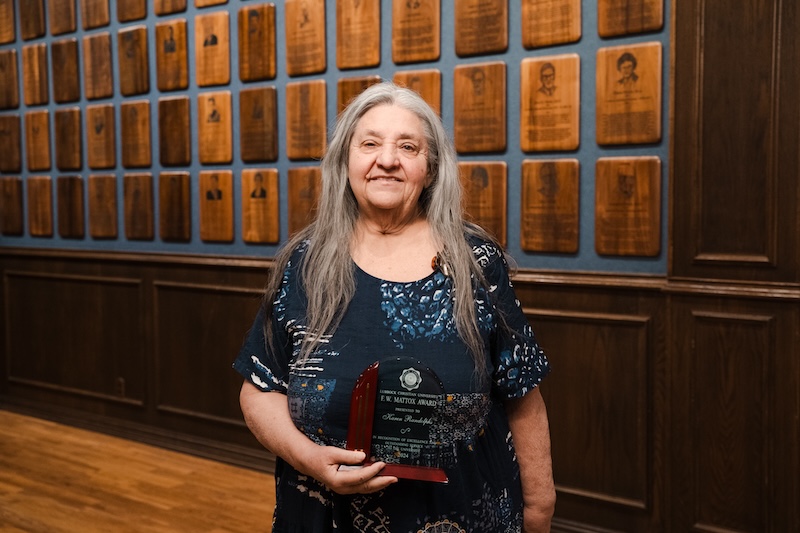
[216, 205]
[69, 194]
[304, 186]
[40, 206]
[68, 138]
[103, 206]
[9, 80]
[37, 139]
[550, 103]
[257, 42]
[97, 77]
[622, 17]
[165, 7]
[306, 125]
[395, 417]
[550, 206]
[481, 26]
[10, 143]
[135, 118]
[62, 16]
[628, 206]
[172, 65]
[485, 200]
[305, 36]
[260, 208]
[349, 88]
[629, 94]
[101, 136]
[174, 207]
[66, 76]
[415, 31]
[11, 219]
[480, 107]
[134, 74]
[34, 74]
[7, 26]
[214, 117]
[358, 33]
[206, 3]
[128, 10]
[427, 83]
[549, 22]
[138, 205]
[212, 49]
[173, 131]
[94, 13]
[258, 124]
[31, 17]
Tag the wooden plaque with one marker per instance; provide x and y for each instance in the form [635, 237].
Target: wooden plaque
[258, 124]
[485, 196]
[212, 49]
[31, 16]
[416, 32]
[481, 26]
[62, 16]
[138, 199]
[480, 107]
[101, 136]
[549, 22]
[94, 13]
[214, 117]
[174, 207]
[622, 17]
[11, 214]
[206, 3]
[34, 74]
[97, 78]
[9, 80]
[358, 33]
[173, 131]
[304, 187]
[427, 83]
[216, 205]
[550, 103]
[69, 198]
[306, 121]
[135, 118]
[134, 74]
[128, 10]
[40, 206]
[10, 143]
[37, 139]
[260, 206]
[8, 31]
[550, 209]
[103, 206]
[629, 94]
[349, 88]
[66, 78]
[628, 206]
[68, 138]
[305, 36]
[165, 7]
[257, 42]
[172, 66]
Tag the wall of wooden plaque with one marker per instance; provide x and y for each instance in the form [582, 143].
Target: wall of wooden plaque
[174, 206]
[37, 139]
[358, 33]
[34, 74]
[103, 206]
[101, 136]
[304, 186]
[66, 76]
[427, 83]
[416, 29]
[138, 206]
[628, 206]
[257, 42]
[629, 94]
[134, 73]
[550, 103]
[214, 118]
[40, 206]
[62, 16]
[11, 213]
[10, 143]
[9, 80]
[304, 22]
[306, 122]
[258, 124]
[622, 17]
[481, 26]
[549, 22]
[97, 78]
[216, 205]
[212, 48]
[8, 30]
[260, 206]
[68, 138]
[486, 196]
[69, 199]
[480, 107]
[550, 207]
[172, 64]
[135, 130]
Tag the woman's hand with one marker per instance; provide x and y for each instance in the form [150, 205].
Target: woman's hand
[342, 471]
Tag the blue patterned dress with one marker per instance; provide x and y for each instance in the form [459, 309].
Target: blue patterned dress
[389, 319]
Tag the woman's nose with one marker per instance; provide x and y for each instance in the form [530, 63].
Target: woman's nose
[387, 156]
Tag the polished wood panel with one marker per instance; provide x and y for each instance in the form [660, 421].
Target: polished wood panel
[9, 79]
[134, 72]
[62, 16]
[138, 201]
[117, 481]
[257, 50]
[128, 10]
[97, 78]
[212, 48]
[11, 212]
[258, 124]
[481, 26]
[480, 106]
[34, 74]
[304, 186]
[31, 15]
[216, 205]
[215, 132]
[174, 206]
[172, 63]
[135, 131]
[101, 136]
[40, 206]
[95, 13]
[349, 88]
[427, 83]
[416, 31]
[8, 30]
[173, 131]
[68, 138]
[69, 202]
[11, 143]
[165, 7]
[103, 206]
[305, 37]
[260, 205]
[358, 34]
[306, 123]
[37, 139]
[66, 75]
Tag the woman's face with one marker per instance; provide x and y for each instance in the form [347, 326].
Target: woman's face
[388, 167]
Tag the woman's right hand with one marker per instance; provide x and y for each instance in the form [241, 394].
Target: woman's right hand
[342, 471]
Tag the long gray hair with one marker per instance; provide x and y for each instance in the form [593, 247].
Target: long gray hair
[327, 273]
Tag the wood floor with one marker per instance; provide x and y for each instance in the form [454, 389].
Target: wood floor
[55, 478]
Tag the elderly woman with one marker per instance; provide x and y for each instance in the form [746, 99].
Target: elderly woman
[389, 268]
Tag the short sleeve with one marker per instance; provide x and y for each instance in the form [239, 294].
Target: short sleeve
[267, 372]
[519, 363]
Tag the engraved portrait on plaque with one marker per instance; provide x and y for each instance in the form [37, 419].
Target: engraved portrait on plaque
[550, 103]
[485, 196]
[305, 36]
[550, 206]
[480, 107]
